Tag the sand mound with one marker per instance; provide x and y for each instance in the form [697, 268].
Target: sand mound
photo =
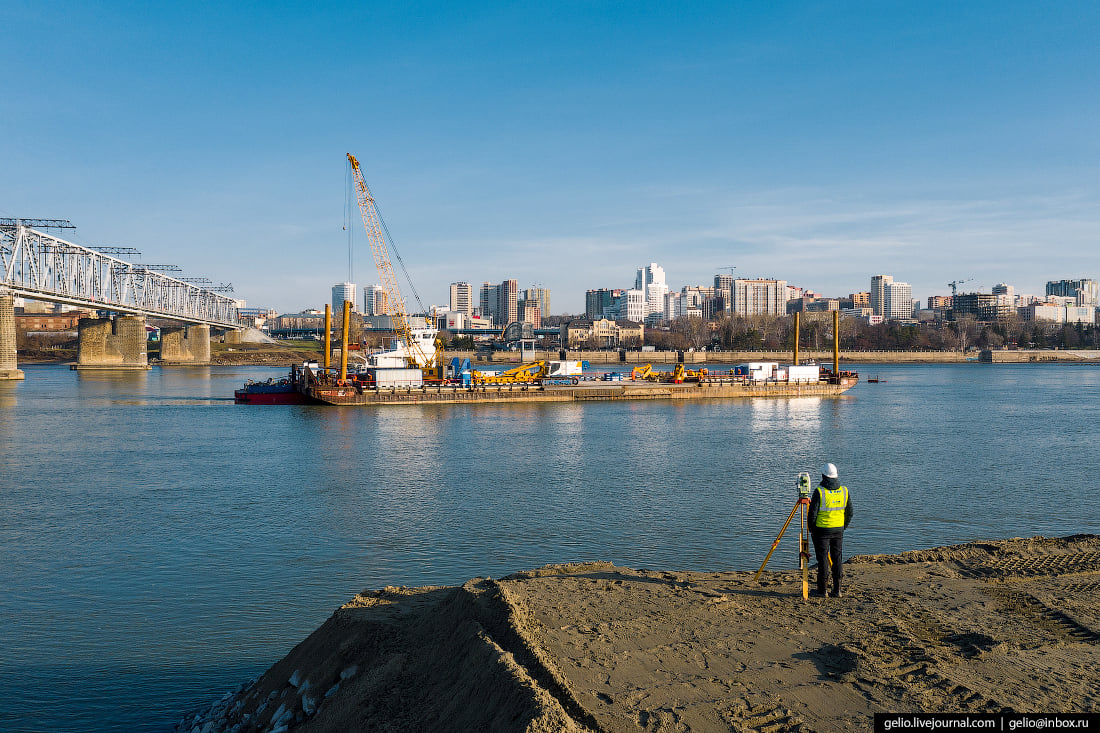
[255, 336]
[1010, 625]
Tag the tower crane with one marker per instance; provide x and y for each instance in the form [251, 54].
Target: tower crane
[416, 356]
[954, 286]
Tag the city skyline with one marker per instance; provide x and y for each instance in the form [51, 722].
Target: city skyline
[820, 143]
[879, 298]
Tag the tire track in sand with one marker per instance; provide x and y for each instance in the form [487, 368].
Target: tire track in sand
[1073, 563]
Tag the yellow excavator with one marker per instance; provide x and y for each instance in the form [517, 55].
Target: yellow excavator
[523, 374]
[643, 372]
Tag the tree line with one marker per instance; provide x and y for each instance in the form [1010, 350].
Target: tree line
[764, 332]
[775, 333]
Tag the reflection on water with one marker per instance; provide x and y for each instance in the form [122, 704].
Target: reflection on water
[164, 543]
[8, 393]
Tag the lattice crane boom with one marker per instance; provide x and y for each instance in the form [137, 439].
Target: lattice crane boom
[380, 250]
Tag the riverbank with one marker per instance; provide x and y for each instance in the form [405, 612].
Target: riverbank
[739, 357]
[283, 356]
[979, 627]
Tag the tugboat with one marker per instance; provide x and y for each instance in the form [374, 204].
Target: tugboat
[274, 391]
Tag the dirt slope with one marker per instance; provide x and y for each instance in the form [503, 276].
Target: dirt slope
[979, 627]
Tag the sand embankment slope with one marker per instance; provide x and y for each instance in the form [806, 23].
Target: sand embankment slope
[1013, 624]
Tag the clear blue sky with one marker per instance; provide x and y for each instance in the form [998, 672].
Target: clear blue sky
[566, 143]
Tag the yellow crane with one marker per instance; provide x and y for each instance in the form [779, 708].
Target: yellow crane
[380, 250]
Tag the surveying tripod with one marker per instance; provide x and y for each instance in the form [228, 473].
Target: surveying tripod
[802, 503]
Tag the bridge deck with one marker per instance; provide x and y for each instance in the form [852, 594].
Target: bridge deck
[37, 265]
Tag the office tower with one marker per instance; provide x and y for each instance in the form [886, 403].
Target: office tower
[342, 292]
[462, 299]
[650, 280]
[598, 302]
[878, 293]
[897, 301]
[508, 302]
[375, 302]
[490, 298]
[1083, 291]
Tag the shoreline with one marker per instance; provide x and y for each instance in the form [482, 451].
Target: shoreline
[978, 627]
[286, 357]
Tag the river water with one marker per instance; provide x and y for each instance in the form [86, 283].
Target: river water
[160, 545]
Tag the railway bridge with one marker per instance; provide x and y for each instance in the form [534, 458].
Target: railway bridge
[43, 267]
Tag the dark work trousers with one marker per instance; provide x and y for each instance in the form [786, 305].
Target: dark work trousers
[827, 543]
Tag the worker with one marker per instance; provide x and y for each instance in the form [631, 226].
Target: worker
[829, 515]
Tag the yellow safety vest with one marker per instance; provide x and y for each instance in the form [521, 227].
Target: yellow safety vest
[830, 507]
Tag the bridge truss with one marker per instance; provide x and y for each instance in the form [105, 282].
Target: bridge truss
[42, 267]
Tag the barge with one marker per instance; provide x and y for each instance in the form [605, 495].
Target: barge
[402, 375]
[326, 389]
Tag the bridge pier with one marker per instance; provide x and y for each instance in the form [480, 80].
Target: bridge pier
[112, 343]
[185, 346]
[9, 368]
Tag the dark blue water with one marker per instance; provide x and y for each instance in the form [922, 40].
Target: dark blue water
[160, 545]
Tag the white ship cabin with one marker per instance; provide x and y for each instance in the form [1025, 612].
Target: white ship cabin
[397, 355]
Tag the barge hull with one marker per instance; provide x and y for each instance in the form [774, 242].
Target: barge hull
[430, 395]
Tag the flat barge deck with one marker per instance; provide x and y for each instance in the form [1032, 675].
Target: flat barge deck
[331, 393]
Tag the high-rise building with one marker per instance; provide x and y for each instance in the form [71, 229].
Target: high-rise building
[375, 302]
[897, 301]
[759, 296]
[696, 301]
[981, 306]
[462, 299]
[651, 281]
[342, 292]
[537, 295]
[878, 293]
[861, 300]
[939, 302]
[633, 306]
[1085, 292]
[508, 302]
[598, 302]
[723, 287]
[490, 297]
[532, 313]
[673, 303]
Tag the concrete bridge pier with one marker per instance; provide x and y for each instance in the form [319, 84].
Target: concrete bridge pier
[185, 346]
[112, 343]
[9, 369]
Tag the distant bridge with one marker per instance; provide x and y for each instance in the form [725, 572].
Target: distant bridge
[42, 267]
[37, 265]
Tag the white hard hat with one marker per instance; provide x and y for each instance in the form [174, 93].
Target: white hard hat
[829, 471]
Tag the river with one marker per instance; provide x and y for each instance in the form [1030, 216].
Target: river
[160, 545]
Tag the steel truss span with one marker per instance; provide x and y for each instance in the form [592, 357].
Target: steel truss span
[42, 267]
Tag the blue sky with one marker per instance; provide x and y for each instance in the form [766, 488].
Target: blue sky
[565, 144]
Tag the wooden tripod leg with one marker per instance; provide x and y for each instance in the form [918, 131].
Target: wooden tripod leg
[776, 543]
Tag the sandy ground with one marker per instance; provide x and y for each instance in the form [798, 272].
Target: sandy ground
[1008, 625]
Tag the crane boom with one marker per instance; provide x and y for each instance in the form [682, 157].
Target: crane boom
[380, 250]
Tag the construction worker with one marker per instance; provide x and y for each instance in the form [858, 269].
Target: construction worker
[829, 514]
